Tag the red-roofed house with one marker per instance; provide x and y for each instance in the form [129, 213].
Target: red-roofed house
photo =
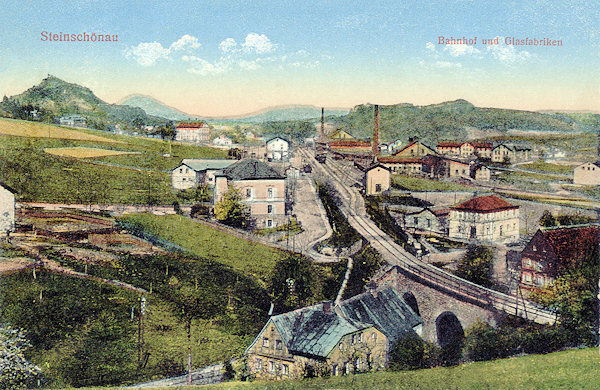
[551, 250]
[466, 149]
[485, 218]
[193, 132]
[414, 149]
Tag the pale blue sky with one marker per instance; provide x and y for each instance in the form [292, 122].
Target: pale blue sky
[219, 58]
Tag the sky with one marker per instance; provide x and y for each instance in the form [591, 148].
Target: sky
[216, 58]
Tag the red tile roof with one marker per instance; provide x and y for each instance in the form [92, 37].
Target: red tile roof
[399, 160]
[449, 144]
[191, 125]
[572, 244]
[485, 204]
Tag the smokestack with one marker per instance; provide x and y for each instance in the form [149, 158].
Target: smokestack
[376, 134]
[322, 123]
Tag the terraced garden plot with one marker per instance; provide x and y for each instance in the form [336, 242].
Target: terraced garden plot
[82, 152]
[42, 130]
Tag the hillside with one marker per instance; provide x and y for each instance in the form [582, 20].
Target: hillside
[123, 169]
[452, 120]
[54, 97]
[153, 107]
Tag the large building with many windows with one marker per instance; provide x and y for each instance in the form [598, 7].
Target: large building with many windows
[262, 188]
[485, 218]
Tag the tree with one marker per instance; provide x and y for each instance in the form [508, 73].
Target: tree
[547, 219]
[483, 342]
[15, 370]
[231, 210]
[292, 283]
[477, 265]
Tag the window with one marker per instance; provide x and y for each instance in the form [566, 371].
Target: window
[271, 366]
[258, 364]
[248, 193]
[416, 220]
[266, 342]
[286, 369]
[374, 336]
[377, 187]
[334, 370]
[269, 223]
[278, 345]
[270, 193]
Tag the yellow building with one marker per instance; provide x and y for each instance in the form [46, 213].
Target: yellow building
[324, 339]
[377, 179]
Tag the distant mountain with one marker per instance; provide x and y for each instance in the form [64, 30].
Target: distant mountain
[452, 120]
[154, 107]
[54, 97]
[287, 113]
[270, 114]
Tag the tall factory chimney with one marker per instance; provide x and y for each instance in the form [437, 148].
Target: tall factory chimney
[375, 143]
[323, 124]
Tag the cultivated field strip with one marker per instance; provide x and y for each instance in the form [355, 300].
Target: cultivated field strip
[353, 208]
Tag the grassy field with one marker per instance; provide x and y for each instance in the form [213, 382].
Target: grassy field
[42, 130]
[249, 258]
[575, 369]
[82, 152]
[545, 167]
[422, 184]
[139, 175]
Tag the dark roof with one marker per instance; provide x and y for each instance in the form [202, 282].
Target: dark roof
[276, 137]
[312, 332]
[385, 309]
[485, 204]
[375, 166]
[401, 160]
[250, 169]
[7, 187]
[203, 165]
[571, 243]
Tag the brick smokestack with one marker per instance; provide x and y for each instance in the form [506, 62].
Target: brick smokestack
[322, 123]
[376, 134]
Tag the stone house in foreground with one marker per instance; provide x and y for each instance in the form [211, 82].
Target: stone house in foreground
[353, 336]
[192, 172]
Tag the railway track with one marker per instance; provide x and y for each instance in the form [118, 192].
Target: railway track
[353, 208]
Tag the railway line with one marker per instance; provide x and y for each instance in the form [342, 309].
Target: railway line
[345, 181]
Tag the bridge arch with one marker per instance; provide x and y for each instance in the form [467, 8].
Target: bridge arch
[449, 329]
[411, 301]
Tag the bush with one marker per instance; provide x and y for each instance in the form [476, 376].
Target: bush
[407, 353]
[483, 342]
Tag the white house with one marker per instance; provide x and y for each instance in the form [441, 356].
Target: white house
[192, 172]
[72, 120]
[222, 140]
[587, 174]
[278, 149]
[485, 218]
[7, 209]
[193, 132]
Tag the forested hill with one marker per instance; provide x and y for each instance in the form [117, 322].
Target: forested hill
[451, 120]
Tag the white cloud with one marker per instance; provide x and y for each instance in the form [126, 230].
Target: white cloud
[248, 65]
[202, 67]
[186, 41]
[430, 46]
[447, 64]
[147, 53]
[258, 44]
[508, 54]
[457, 50]
[227, 45]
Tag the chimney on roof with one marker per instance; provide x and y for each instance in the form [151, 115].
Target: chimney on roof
[327, 307]
[375, 144]
[322, 123]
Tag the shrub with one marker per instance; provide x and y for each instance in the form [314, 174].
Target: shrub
[483, 342]
[407, 353]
